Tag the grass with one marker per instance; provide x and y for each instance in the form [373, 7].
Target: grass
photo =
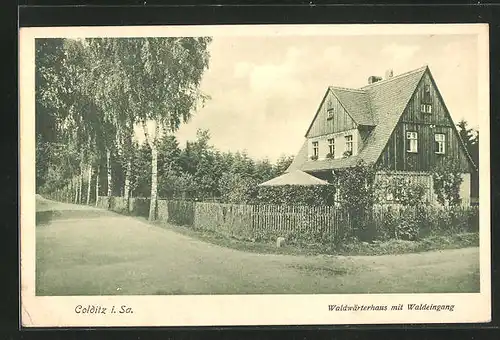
[353, 248]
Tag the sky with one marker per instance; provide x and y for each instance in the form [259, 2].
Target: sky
[265, 90]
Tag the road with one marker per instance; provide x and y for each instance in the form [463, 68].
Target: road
[88, 251]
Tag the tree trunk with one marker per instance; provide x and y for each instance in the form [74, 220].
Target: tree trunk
[128, 173]
[97, 179]
[89, 183]
[108, 167]
[154, 182]
[153, 144]
[80, 185]
[75, 186]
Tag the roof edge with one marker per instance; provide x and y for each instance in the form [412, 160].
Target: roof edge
[385, 81]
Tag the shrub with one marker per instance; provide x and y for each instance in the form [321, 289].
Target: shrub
[412, 223]
[356, 194]
[407, 229]
[447, 178]
[314, 157]
[294, 194]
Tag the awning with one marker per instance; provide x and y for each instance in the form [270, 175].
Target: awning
[296, 177]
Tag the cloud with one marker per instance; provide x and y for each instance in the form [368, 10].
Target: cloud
[241, 69]
[399, 51]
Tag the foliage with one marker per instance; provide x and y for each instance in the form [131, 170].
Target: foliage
[295, 194]
[447, 178]
[417, 222]
[236, 188]
[314, 157]
[140, 182]
[282, 164]
[399, 189]
[347, 154]
[470, 137]
[329, 155]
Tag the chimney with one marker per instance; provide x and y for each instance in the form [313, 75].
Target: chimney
[374, 79]
[388, 74]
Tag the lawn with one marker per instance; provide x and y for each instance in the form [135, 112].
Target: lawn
[113, 254]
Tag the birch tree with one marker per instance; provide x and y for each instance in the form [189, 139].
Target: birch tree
[161, 88]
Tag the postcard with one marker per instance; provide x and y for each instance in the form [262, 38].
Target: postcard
[254, 175]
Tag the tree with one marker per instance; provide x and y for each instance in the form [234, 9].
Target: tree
[470, 137]
[161, 80]
[65, 87]
[282, 164]
[140, 180]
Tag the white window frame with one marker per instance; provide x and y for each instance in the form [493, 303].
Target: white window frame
[426, 108]
[412, 141]
[349, 145]
[331, 146]
[440, 139]
[315, 149]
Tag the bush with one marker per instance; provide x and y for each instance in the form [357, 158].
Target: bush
[412, 223]
[296, 195]
[447, 178]
[407, 229]
[181, 212]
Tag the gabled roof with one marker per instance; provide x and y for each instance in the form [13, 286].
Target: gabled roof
[389, 98]
[356, 103]
[380, 104]
[296, 177]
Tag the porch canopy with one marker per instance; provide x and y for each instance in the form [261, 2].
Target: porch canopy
[296, 177]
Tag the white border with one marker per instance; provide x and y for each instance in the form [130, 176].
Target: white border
[207, 310]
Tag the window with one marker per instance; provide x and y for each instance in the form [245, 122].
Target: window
[440, 143]
[426, 106]
[315, 149]
[329, 114]
[427, 94]
[412, 141]
[348, 144]
[331, 147]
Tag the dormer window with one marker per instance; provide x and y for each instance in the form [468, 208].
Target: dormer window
[331, 148]
[329, 113]
[348, 144]
[315, 149]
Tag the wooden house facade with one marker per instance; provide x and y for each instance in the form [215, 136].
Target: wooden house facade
[400, 124]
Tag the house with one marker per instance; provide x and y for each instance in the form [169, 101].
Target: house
[399, 123]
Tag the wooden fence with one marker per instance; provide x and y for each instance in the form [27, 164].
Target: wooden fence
[286, 219]
[316, 222]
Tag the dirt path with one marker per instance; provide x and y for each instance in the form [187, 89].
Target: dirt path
[112, 254]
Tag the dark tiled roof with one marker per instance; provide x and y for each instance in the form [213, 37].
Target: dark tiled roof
[380, 104]
[357, 103]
